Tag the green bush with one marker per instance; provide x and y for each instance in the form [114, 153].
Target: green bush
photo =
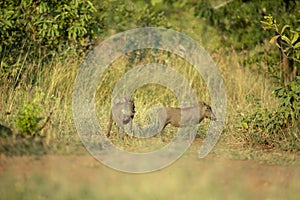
[49, 23]
[289, 99]
[238, 21]
[122, 15]
[34, 31]
[281, 128]
[287, 40]
[28, 118]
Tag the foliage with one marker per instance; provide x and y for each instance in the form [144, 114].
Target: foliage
[40, 29]
[28, 118]
[281, 128]
[289, 35]
[289, 100]
[288, 42]
[121, 15]
[29, 35]
[49, 23]
[239, 21]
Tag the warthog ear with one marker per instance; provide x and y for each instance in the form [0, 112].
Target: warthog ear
[207, 107]
[205, 104]
[127, 98]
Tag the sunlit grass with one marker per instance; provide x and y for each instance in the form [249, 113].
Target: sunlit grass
[54, 84]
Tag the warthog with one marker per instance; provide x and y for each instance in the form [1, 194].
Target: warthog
[122, 113]
[172, 116]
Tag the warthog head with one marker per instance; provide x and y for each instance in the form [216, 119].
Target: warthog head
[206, 111]
[122, 113]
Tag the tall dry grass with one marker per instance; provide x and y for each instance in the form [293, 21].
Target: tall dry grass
[53, 84]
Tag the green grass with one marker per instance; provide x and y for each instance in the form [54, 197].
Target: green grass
[53, 83]
[55, 164]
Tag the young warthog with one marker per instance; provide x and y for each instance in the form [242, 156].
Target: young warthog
[172, 115]
[122, 113]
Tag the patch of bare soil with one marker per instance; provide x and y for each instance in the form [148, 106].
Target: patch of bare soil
[187, 178]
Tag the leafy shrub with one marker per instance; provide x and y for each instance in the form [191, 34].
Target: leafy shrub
[34, 31]
[288, 42]
[280, 128]
[50, 23]
[122, 15]
[28, 118]
[239, 21]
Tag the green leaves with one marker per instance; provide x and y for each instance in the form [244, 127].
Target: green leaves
[295, 37]
[287, 40]
[283, 28]
[239, 22]
[48, 23]
[122, 15]
[28, 117]
[286, 33]
[277, 128]
[43, 29]
[297, 45]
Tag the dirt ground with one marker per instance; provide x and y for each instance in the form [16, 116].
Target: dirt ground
[83, 177]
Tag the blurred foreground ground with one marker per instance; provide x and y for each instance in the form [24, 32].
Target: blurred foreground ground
[83, 177]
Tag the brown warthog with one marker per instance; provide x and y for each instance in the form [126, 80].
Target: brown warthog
[122, 113]
[172, 115]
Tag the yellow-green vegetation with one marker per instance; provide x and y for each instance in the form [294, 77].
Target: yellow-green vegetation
[255, 45]
[38, 72]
